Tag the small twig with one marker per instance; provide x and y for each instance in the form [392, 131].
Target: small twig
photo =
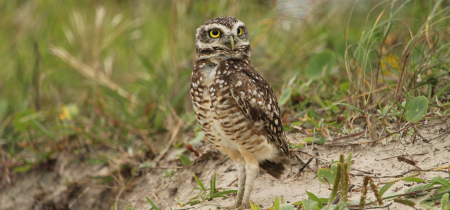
[79, 196]
[232, 182]
[374, 207]
[439, 136]
[312, 156]
[366, 172]
[306, 164]
[350, 135]
[411, 193]
[172, 139]
[422, 170]
[400, 156]
[171, 167]
[117, 197]
[414, 170]
[367, 142]
[364, 94]
[399, 81]
[395, 180]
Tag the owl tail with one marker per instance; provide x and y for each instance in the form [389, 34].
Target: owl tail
[275, 167]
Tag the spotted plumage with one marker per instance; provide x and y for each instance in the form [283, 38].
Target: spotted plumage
[235, 106]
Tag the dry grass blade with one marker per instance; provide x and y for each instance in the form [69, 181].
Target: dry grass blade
[91, 73]
[172, 139]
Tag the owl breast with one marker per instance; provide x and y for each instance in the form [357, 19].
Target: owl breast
[222, 120]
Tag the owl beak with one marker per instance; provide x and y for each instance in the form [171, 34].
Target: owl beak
[232, 42]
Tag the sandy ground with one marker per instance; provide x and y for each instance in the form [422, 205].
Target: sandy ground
[43, 189]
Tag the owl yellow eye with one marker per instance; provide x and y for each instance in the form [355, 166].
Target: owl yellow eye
[214, 33]
[239, 31]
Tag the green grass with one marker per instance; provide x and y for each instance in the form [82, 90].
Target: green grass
[82, 76]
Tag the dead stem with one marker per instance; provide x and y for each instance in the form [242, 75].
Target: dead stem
[172, 139]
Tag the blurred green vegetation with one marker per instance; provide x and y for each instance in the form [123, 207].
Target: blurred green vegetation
[79, 75]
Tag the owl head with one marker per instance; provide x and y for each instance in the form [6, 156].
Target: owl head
[222, 38]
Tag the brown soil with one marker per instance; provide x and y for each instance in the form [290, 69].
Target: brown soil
[69, 186]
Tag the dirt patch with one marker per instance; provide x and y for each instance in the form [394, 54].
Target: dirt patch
[72, 188]
[60, 186]
[378, 160]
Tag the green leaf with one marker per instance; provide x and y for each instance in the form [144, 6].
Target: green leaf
[276, 205]
[385, 188]
[186, 161]
[308, 139]
[310, 205]
[293, 146]
[349, 160]
[212, 188]
[429, 201]
[398, 104]
[192, 202]
[406, 202]
[320, 65]
[288, 207]
[297, 203]
[442, 90]
[320, 141]
[253, 206]
[22, 121]
[128, 207]
[427, 204]
[285, 96]
[413, 179]
[442, 181]
[146, 63]
[44, 130]
[199, 183]
[444, 201]
[329, 175]
[323, 200]
[147, 164]
[154, 206]
[417, 108]
[312, 121]
[22, 169]
[314, 198]
[344, 86]
[223, 193]
[198, 138]
[417, 188]
[330, 104]
[351, 107]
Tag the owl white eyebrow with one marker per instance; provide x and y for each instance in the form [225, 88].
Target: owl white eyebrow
[217, 26]
[237, 25]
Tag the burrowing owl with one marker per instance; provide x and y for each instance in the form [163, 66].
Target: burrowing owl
[235, 105]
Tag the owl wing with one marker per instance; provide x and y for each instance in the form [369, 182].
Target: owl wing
[256, 99]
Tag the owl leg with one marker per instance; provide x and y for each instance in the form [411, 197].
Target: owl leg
[240, 164]
[251, 170]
